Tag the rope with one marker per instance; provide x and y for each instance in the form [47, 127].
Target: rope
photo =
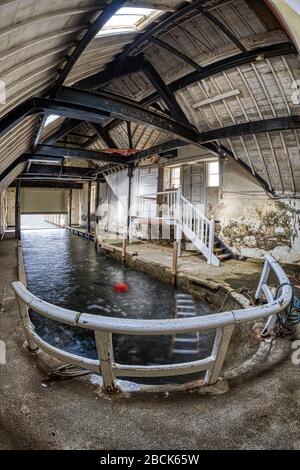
[291, 316]
[67, 371]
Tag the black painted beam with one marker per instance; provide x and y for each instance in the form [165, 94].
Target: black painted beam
[108, 11]
[91, 106]
[176, 52]
[57, 170]
[162, 25]
[67, 126]
[100, 79]
[104, 135]
[223, 28]
[158, 149]
[165, 93]
[49, 184]
[252, 127]
[127, 110]
[216, 68]
[81, 45]
[68, 152]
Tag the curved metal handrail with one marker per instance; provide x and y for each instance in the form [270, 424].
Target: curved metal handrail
[104, 327]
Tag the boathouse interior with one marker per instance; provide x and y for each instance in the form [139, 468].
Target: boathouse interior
[149, 224]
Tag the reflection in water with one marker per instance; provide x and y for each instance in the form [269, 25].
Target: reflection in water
[64, 269]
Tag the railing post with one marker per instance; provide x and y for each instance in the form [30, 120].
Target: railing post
[23, 309]
[106, 358]
[211, 238]
[220, 347]
[178, 215]
[263, 278]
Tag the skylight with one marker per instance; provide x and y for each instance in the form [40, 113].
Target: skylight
[51, 118]
[128, 19]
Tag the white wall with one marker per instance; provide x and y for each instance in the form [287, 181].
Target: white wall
[252, 223]
[3, 212]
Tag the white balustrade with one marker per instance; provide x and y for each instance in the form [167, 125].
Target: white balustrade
[105, 327]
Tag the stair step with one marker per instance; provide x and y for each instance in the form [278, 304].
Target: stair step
[224, 256]
[185, 351]
[186, 340]
[219, 250]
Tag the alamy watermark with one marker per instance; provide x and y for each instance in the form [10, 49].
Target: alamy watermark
[296, 353]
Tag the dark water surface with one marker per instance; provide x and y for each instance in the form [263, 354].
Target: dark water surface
[64, 269]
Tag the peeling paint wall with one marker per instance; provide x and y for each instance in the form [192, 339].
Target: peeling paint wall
[252, 223]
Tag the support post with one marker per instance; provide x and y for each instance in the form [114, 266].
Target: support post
[178, 215]
[124, 243]
[130, 175]
[219, 351]
[106, 358]
[211, 238]
[70, 208]
[175, 262]
[17, 210]
[89, 208]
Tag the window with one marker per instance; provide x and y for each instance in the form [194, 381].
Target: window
[175, 177]
[51, 118]
[128, 19]
[213, 175]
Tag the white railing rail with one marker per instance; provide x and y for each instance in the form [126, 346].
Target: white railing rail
[188, 218]
[105, 327]
[146, 202]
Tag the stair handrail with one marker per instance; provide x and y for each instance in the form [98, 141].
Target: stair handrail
[195, 209]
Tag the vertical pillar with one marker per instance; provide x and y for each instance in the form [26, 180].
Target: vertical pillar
[130, 175]
[70, 207]
[97, 200]
[17, 211]
[89, 208]
[175, 262]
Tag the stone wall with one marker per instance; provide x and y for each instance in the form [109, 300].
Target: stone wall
[253, 223]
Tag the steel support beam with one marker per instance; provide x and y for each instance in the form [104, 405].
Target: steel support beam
[104, 135]
[68, 152]
[68, 126]
[162, 25]
[252, 127]
[108, 11]
[216, 68]
[101, 79]
[127, 110]
[55, 170]
[165, 93]
[223, 28]
[176, 52]
[48, 184]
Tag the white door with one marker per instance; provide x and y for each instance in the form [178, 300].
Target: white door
[193, 185]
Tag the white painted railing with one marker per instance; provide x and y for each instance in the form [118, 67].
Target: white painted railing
[188, 218]
[105, 327]
[146, 204]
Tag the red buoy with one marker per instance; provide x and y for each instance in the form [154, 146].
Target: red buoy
[120, 287]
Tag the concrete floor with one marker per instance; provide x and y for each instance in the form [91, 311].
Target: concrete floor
[260, 414]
